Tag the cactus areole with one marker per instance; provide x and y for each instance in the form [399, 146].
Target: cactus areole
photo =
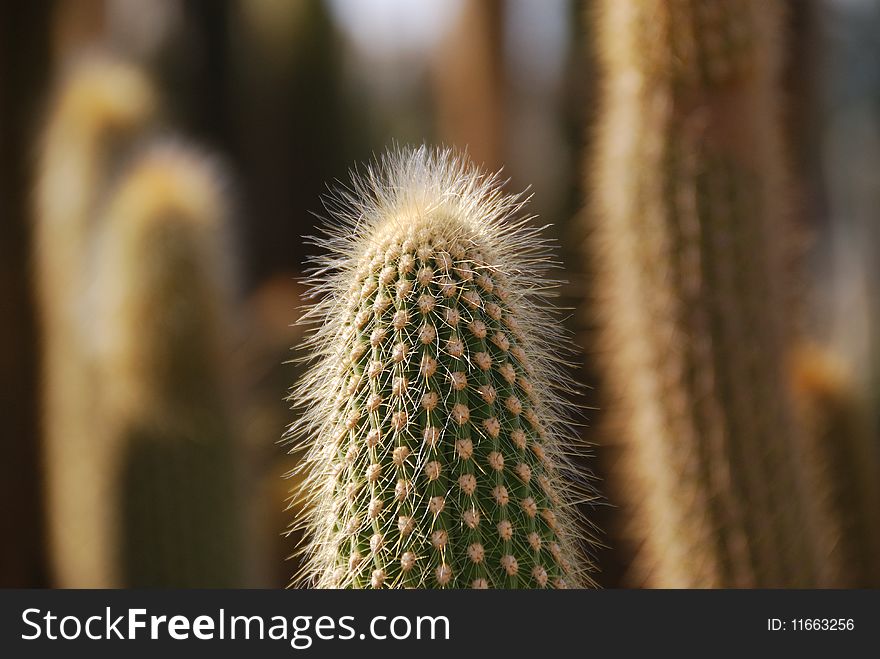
[434, 415]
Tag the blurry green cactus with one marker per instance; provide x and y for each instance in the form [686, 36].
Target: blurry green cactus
[434, 414]
[164, 318]
[690, 249]
[100, 110]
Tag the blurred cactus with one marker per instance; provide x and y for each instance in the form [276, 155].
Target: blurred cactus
[100, 109]
[690, 252]
[843, 444]
[434, 413]
[165, 321]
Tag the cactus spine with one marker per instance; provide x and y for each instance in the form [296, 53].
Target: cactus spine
[165, 322]
[689, 251]
[434, 414]
[101, 107]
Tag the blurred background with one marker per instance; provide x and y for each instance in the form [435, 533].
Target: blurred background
[280, 98]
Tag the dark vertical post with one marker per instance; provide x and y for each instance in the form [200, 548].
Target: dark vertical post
[23, 68]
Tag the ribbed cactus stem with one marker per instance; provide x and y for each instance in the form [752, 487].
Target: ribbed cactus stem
[165, 323]
[434, 411]
[100, 109]
[690, 252]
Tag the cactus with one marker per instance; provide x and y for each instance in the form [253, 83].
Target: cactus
[439, 447]
[164, 322]
[100, 109]
[843, 444]
[689, 250]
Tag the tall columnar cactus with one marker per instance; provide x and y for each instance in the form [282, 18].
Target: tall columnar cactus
[689, 247]
[434, 412]
[100, 109]
[164, 323]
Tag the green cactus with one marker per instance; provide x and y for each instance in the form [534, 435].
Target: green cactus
[164, 319]
[689, 247]
[101, 108]
[434, 413]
